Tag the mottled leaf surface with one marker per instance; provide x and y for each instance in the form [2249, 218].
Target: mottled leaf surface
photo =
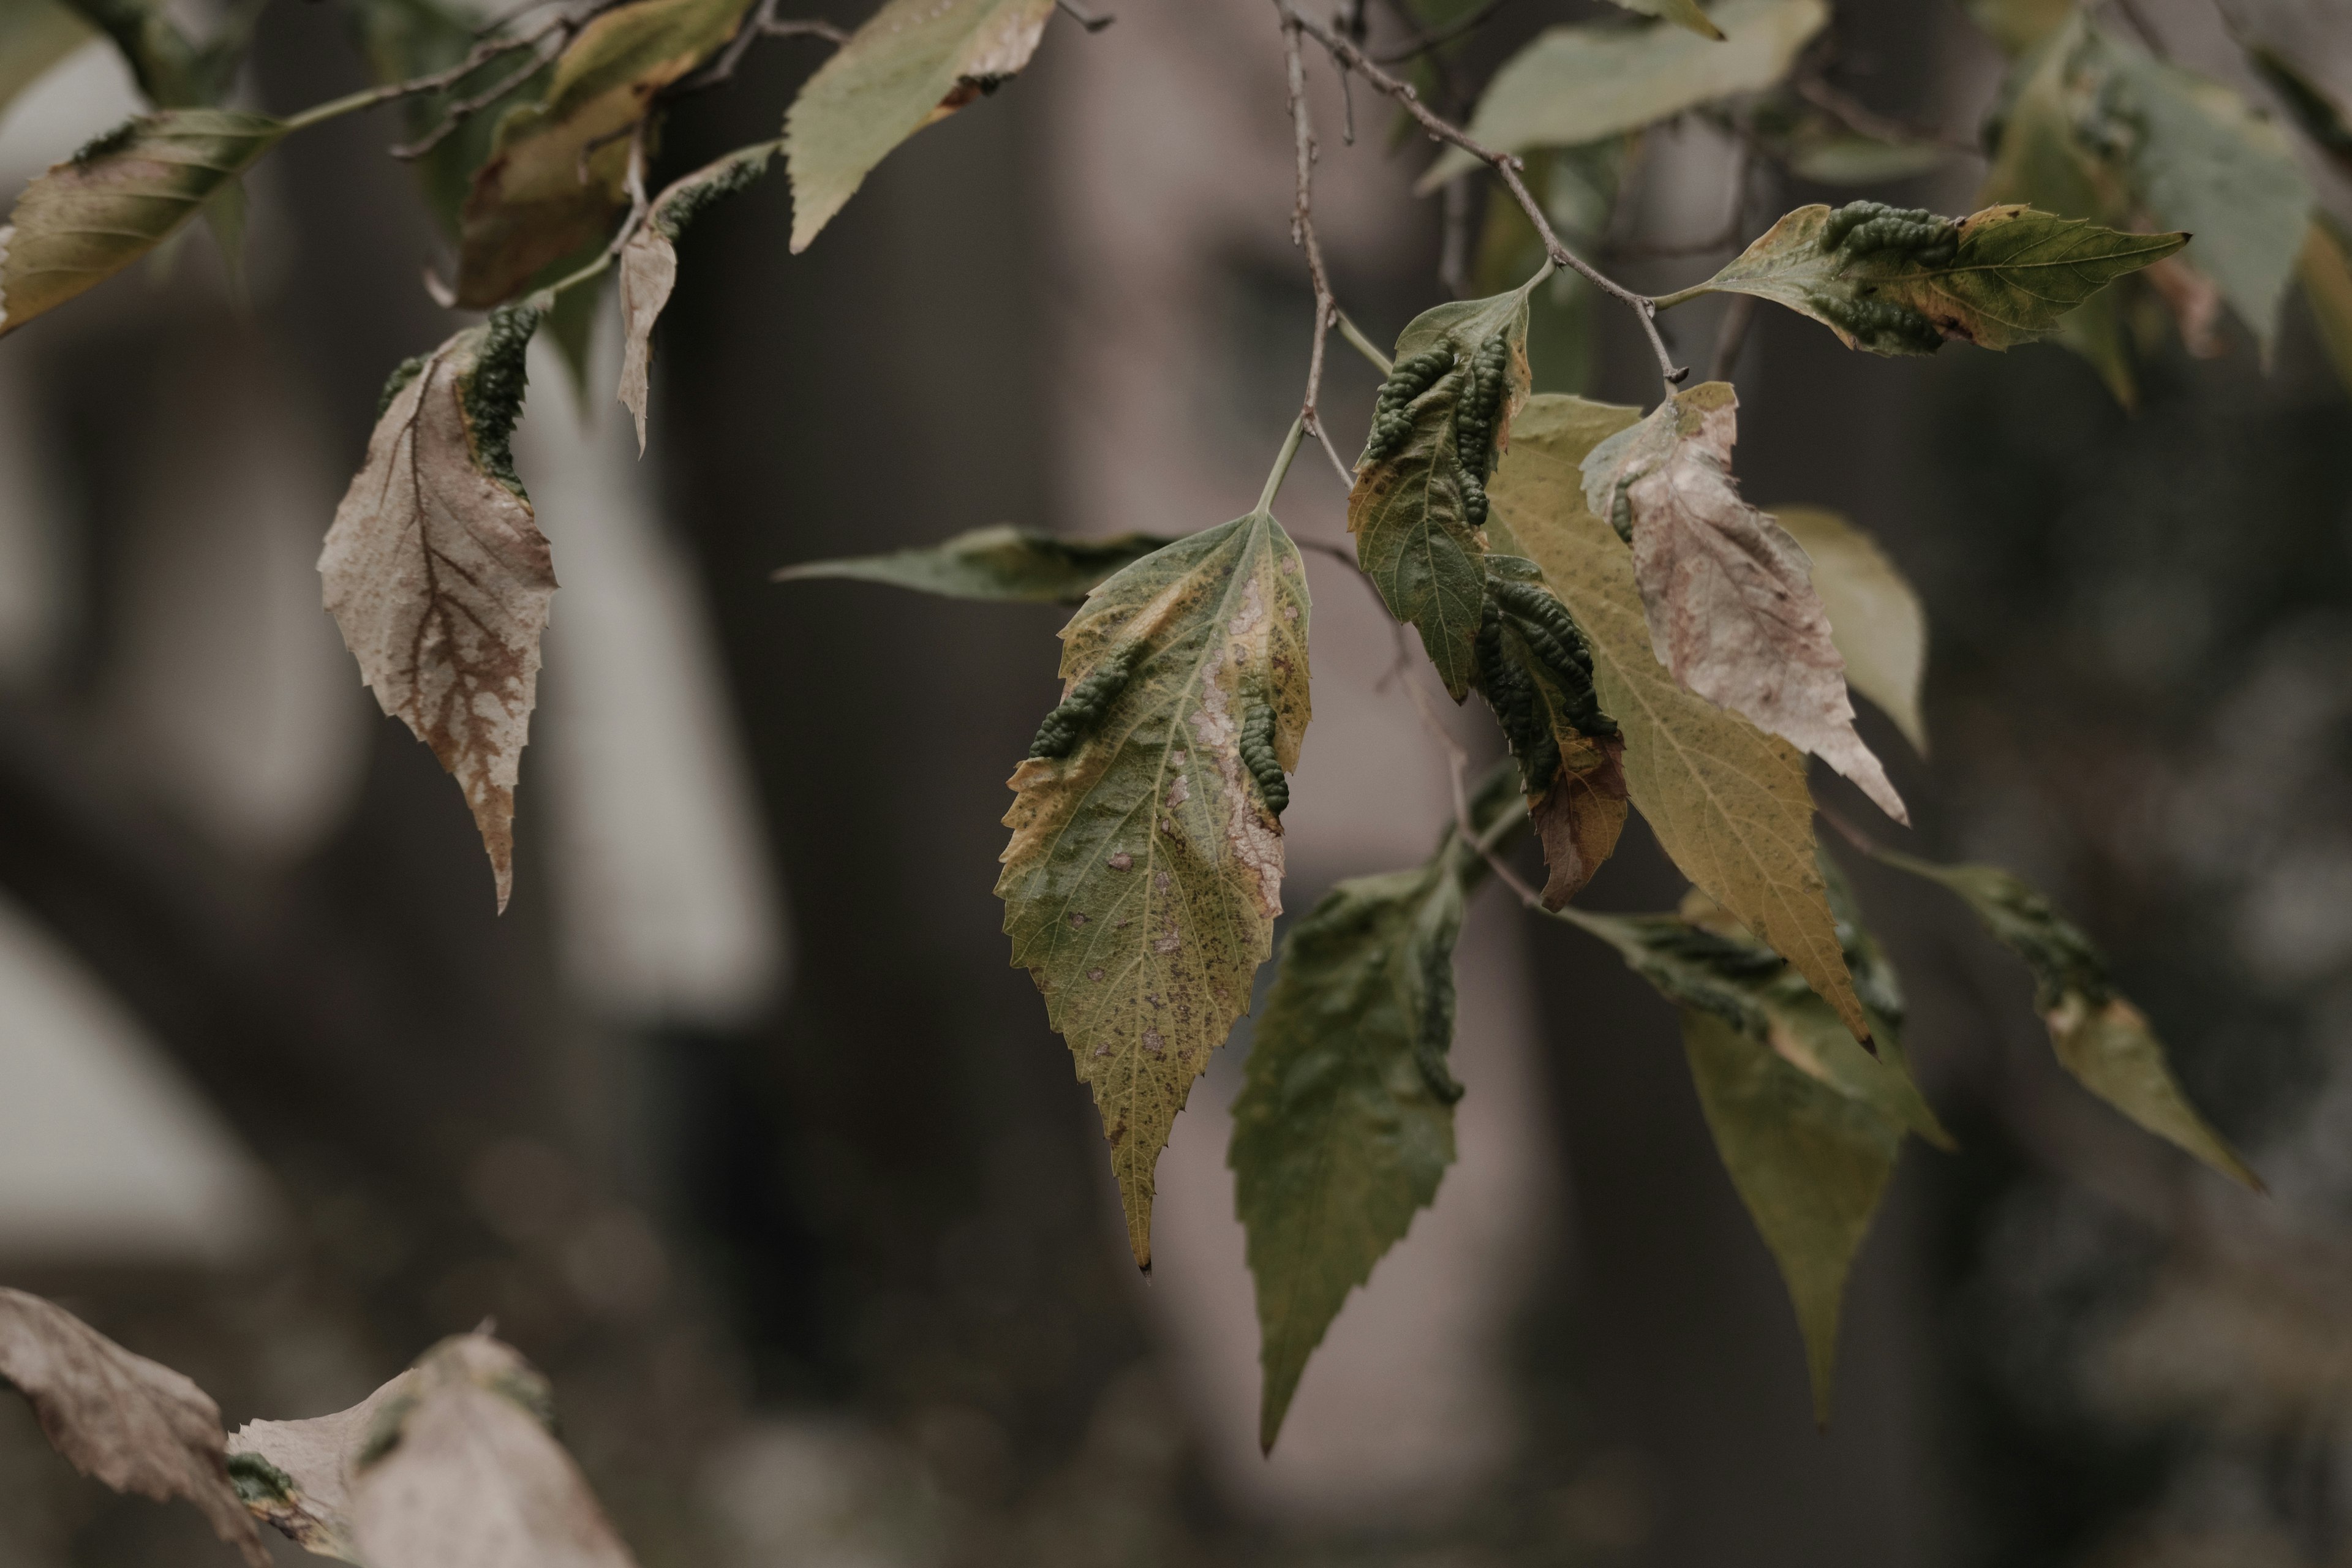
[647, 264]
[1001, 562]
[1416, 508]
[451, 1464]
[2099, 1036]
[1145, 867]
[1344, 1124]
[117, 199]
[914, 62]
[120, 1418]
[1730, 597]
[1727, 802]
[1875, 617]
[1580, 83]
[437, 574]
[555, 183]
[2013, 273]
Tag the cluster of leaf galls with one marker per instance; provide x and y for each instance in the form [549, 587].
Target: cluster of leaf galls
[493, 393]
[1078, 712]
[1875, 229]
[1554, 645]
[1257, 756]
[1474, 425]
[1408, 379]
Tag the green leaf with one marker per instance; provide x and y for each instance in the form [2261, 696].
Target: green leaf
[1001, 562]
[915, 62]
[1578, 84]
[1419, 497]
[1346, 1122]
[1898, 282]
[114, 201]
[34, 36]
[1727, 802]
[1681, 12]
[1729, 594]
[555, 183]
[1145, 868]
[1810, 1165]
[436, 572]
[2100, 1037]
[1818, 146]
[1876, 616]
[2018, 24]
[2326, 269]
[648, 262]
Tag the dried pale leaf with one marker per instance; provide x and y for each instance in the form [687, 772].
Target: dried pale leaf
[2099, 1036]
[2325, 270]
[136, 1425]
[437, 574]
[1730, 596]
[649, 263]
[1810, 1163]
[298, 1476]
[1145, 867]
[1001, 563]
[1681, 12]
[1996, 279]
[555, 183]
[1579, 84]
[1727, 802]
[117, 199]
[914, 62]
[1875, 617]
[34, 36]
[461, 1471]
[1419, 500]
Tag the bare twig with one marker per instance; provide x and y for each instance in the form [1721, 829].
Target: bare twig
[1351, 58]
[1087, 19]
[549, 43]
[478, 57]
[1424, 42]
[762, 23]
[1302, 235]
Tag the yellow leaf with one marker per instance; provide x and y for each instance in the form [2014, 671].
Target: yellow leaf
[1875, 617]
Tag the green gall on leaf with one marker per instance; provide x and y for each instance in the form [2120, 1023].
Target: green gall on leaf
[493, 388]
[1144, 870]
[1003, 563]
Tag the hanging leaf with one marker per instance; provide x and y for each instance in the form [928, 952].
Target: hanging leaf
[1578, 84]
[450, 1465]
[648, 262]
[1727, 802]
[555, 181]
[1898, 281]
[34, 36]
[1730, 596]
[916, 61]
[1001, 562]
[1344, 1124]
[1145, 868]
[120, 1418]
[436, 572]
[114, 201]
[1420, 499]
[2326, 269]
[1681, 12]
[1876, 621]
[2100, 1037]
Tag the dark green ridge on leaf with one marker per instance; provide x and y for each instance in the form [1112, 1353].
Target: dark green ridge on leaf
[493, 390]
[1345, 1122]
[1003, 563]
[2098, 1035]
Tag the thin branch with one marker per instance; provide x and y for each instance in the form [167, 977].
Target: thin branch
[1302, 235]
[465, 108]
[762, 23]
[1351, 58]
[1424, 42]
[481, 55]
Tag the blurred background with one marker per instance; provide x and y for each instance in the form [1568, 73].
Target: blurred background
[739, 1124]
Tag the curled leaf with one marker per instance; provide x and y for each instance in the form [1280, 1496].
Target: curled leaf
[1145, 867]
[916, 61]
[117, 199]
[437, 574]
[1729, 594]
[1727, 802]
[1001, 562]
[120, 1418]
[648, 262]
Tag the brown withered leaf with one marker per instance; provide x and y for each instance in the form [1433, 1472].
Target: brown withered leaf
[1579, 818]
[120, 1418]
[1730, 596]
[450, 1465]
[436, 572]
[649, 263]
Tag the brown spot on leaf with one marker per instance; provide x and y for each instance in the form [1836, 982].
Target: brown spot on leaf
[1152, 1044]
[1077, 920]
[1122, 861]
